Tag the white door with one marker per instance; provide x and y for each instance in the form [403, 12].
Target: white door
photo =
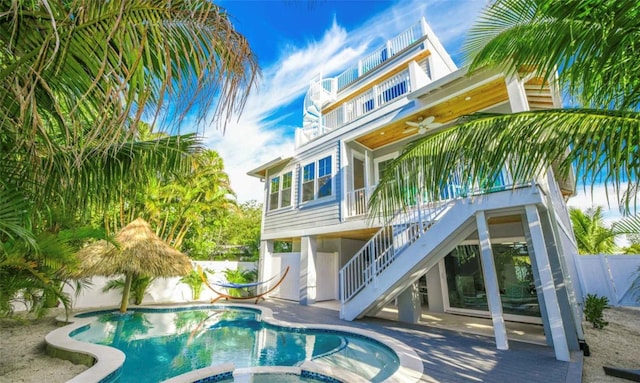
[290, 286]
[326, 276]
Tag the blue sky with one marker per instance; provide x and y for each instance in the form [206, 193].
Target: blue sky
[295, 40]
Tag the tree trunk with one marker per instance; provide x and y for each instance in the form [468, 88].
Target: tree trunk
[125, 293]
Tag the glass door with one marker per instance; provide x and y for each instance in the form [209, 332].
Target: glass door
[465, 283]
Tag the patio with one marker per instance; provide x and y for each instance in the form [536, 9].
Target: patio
[450, 352]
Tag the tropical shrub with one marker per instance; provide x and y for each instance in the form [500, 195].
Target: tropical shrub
[194, 281]
[139, 286]
[593, 310]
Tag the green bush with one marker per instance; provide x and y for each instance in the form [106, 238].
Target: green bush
[194, 280]
[593, 309]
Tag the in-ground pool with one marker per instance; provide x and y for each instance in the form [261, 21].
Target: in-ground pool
[160, 344]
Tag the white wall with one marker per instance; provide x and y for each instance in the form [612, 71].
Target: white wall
[610, 276]
[162, 290]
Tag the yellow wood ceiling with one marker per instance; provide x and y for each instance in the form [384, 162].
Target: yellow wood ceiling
[485, 96]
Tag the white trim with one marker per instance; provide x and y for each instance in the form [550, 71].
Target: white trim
[268, 199]
[316, 176]
[376, 164]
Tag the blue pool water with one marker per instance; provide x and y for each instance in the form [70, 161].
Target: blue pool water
[162, 344]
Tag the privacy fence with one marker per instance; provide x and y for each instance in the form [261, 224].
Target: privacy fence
[612, 276]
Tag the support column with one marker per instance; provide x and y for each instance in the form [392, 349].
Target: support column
[552, 306]
[409, 309]
[308, 248]
[491, 282]
[434, 288]
[265, 261]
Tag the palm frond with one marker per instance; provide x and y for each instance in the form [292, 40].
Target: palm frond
[14, 218]
[593, 45]
[627, 226]
[524, 144]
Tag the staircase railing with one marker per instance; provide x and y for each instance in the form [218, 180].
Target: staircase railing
[381, 250]
[404, 229]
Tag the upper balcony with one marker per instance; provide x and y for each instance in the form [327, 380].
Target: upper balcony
[395, 69]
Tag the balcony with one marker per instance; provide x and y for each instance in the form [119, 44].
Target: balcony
[359, 102]
[357, 201]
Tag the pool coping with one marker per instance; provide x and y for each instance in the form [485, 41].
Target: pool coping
[109, 360]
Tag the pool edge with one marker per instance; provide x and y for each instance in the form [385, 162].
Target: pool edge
[110, 360]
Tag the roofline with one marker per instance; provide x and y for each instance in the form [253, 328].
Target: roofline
[260, 171]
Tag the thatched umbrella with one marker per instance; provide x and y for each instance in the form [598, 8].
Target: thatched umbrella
[141, 252]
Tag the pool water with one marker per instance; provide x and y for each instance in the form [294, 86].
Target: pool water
[159, 345]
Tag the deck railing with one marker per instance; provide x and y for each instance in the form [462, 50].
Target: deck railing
[358, 201]
[323, 91]
[368, 101]
[380, 55]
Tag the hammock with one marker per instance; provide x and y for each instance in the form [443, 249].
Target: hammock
[275, 281]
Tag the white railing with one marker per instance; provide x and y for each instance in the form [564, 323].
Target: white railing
[406, 38]
[310, 133]
[368, 101]
[380, 55]
[381, 250]
[404, 229]
[393, 88]
[325, 90]
[358, 201]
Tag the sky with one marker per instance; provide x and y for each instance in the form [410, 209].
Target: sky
[296, 40]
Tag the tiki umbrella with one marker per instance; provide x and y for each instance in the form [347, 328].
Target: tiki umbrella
[141, 252]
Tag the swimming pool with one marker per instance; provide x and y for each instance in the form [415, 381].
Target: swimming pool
[167, 342]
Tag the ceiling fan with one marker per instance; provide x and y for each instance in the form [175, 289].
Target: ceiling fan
[422, 125]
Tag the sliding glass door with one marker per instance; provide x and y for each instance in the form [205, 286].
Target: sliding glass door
[465, 283]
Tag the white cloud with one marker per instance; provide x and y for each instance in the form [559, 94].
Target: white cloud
[598, 196]
[604, 197]
[258, 138]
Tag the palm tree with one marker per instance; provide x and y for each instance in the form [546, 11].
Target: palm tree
[593, 45]
[592, 236]
[77, 79]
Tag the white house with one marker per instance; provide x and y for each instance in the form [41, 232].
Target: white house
[500, 250]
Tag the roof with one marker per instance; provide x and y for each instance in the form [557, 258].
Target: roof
[261, 171]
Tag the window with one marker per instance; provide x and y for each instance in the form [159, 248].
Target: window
[280, 191]
[381, 164]
[324, 177]
[308, 181]
[285, 192]
[274, 190]
[317, 184]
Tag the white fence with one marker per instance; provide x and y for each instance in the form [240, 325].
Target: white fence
[611, 276]
[162, 290]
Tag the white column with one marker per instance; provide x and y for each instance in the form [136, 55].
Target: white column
[265, 260]
[308, 270]
[541, 257]
[517, 95]
[434, 288]
[491, 282]
[417, 77]
[409, 304]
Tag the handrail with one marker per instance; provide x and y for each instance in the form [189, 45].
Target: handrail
[402, 230]
[381, 250]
